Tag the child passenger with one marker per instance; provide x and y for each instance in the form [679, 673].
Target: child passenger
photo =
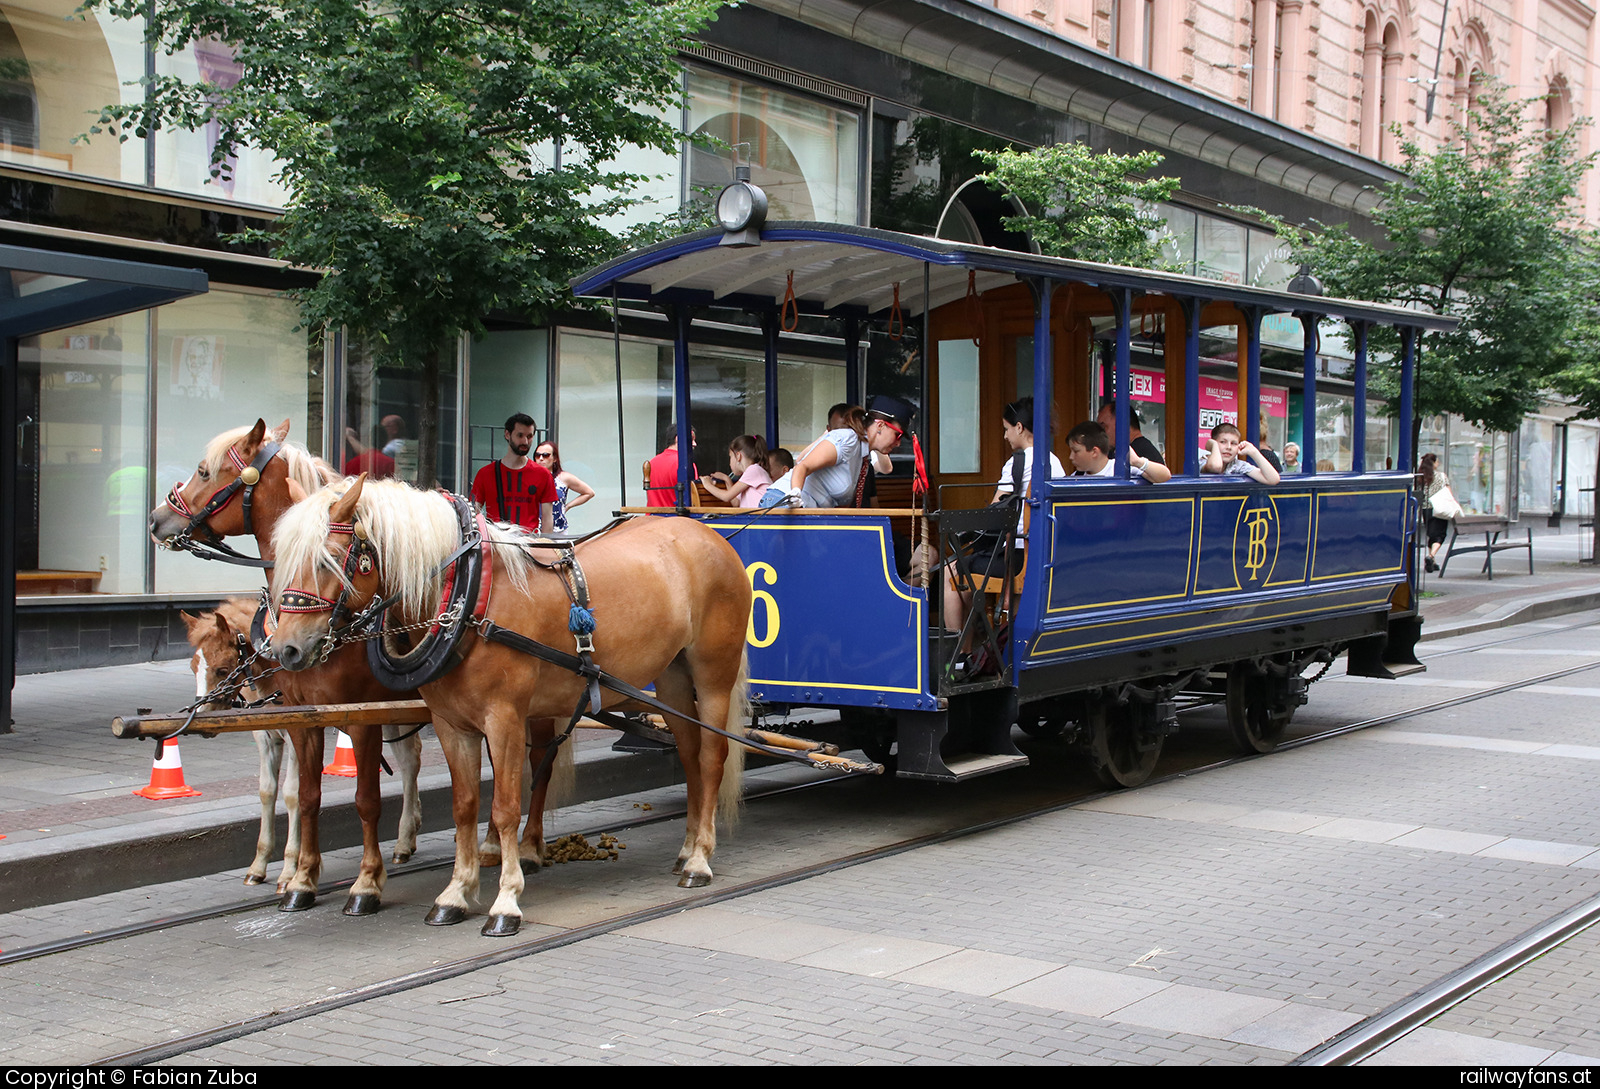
[1227, 452]
[747, 457]
[779, 461]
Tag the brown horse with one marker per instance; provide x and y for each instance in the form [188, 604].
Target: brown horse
[671, 605]
[282, 480]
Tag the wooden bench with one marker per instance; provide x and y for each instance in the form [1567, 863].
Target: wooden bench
[33, 583]
[1491, 526]
[702, 498]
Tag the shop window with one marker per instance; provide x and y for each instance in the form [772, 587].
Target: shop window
[919, 163]
[224, 360]
[1538, 465]
[183, 157]
[84, 493]
[510, 373]
[390, 415]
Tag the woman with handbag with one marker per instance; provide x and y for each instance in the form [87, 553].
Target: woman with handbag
[1439, 505]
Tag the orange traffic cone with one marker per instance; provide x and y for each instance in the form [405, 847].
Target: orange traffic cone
[344, 758]
[166, 775]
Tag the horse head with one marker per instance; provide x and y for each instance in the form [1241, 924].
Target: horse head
[218, 650]
[328, 565]
[208, 506]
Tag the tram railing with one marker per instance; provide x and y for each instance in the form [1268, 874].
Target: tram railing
[976, 655]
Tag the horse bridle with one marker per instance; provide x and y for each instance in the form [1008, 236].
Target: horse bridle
[216, 548]
[359, 558]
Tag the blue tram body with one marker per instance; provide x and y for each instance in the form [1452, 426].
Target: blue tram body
[1132, 595]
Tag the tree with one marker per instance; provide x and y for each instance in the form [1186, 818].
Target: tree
[1481, 229]
[1091, 208]
[445, 158]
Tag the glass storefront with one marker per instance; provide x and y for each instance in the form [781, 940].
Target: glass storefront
[510, 373]
[91, 441]
[84, 409]
[394, 425]
[224, 360]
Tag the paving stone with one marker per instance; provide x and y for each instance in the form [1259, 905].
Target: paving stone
[1433, 1047]
[972, 971]
[1532, 850]
[1085, 991]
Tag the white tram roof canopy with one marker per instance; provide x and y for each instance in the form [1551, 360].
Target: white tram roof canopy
[842, 271]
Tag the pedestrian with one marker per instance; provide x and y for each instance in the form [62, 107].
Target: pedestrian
[571, 493]
[513, 489]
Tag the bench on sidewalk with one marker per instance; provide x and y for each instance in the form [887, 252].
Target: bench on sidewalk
[1491, 526]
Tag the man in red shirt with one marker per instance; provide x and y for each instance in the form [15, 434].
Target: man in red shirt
[664, 476]
[514, 489]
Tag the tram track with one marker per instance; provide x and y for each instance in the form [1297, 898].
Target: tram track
[1364, 1039]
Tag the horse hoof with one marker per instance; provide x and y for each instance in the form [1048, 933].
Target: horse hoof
[694, 881]
[529, 866]
[502, 926]
[677, 867]
[362, 903]
[488, 862]
[297, 901]
[402, 856]
[254, 878]
[445, 915]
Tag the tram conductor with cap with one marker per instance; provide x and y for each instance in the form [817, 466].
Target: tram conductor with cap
[513, 489]
[832, 471]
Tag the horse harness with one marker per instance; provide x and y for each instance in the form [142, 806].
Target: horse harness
[464, 603]
[216, 548]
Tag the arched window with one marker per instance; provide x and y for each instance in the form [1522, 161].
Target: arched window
[1558, 105]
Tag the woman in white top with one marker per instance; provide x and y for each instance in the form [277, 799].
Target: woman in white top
[991, 562]
[828, 472]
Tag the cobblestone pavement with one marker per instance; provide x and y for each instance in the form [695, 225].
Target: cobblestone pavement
[1240, 916]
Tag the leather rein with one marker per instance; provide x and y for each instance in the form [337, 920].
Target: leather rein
[216, 548]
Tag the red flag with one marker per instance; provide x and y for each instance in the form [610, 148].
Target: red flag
[919, 481]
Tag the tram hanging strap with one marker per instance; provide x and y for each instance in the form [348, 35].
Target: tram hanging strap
[494, 633]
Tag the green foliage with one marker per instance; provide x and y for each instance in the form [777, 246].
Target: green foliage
[1482, 229]
[1090, 206]
[419, 139]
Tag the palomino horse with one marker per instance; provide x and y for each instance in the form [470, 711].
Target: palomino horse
[281, 478]
[222, 640]
[670, 604]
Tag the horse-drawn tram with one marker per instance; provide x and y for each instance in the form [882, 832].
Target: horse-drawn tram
[1129, 600]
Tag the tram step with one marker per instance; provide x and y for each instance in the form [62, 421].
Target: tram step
[970, 766]
[1404, 669]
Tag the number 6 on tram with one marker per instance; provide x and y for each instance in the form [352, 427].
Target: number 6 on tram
[1133, 600]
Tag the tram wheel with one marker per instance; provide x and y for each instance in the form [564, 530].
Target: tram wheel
[1121, 752]
[1257, 722]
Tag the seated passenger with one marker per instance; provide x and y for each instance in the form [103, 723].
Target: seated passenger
[1226, 454]
[987, 558]
[747, 457]
[1089, 450]
[832, 471]
[1138, 443]
[779, 461]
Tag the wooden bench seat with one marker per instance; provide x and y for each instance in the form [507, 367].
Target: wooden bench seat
[56, 582]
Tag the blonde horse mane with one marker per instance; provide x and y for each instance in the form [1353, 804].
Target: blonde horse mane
[305, 468]
[412, 530]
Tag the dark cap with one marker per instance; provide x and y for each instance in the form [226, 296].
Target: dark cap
[898, 412]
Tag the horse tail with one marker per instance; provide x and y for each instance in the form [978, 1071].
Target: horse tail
[730, 797]
[563, 780]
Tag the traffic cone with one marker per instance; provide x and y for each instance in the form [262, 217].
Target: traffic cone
[344, 758]
[166, 775]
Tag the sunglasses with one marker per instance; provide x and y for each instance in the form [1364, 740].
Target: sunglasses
[545, 454]
[899, 432]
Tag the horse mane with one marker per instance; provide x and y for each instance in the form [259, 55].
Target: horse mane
[412, 530]
[305, 468]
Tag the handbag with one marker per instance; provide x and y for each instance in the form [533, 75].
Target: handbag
[1444, 504]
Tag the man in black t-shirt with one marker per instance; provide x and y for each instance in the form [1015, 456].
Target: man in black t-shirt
[1141, 445]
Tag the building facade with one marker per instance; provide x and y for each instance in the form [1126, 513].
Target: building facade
[855, 111]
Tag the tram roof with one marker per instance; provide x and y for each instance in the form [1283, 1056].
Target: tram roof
[841, 271]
